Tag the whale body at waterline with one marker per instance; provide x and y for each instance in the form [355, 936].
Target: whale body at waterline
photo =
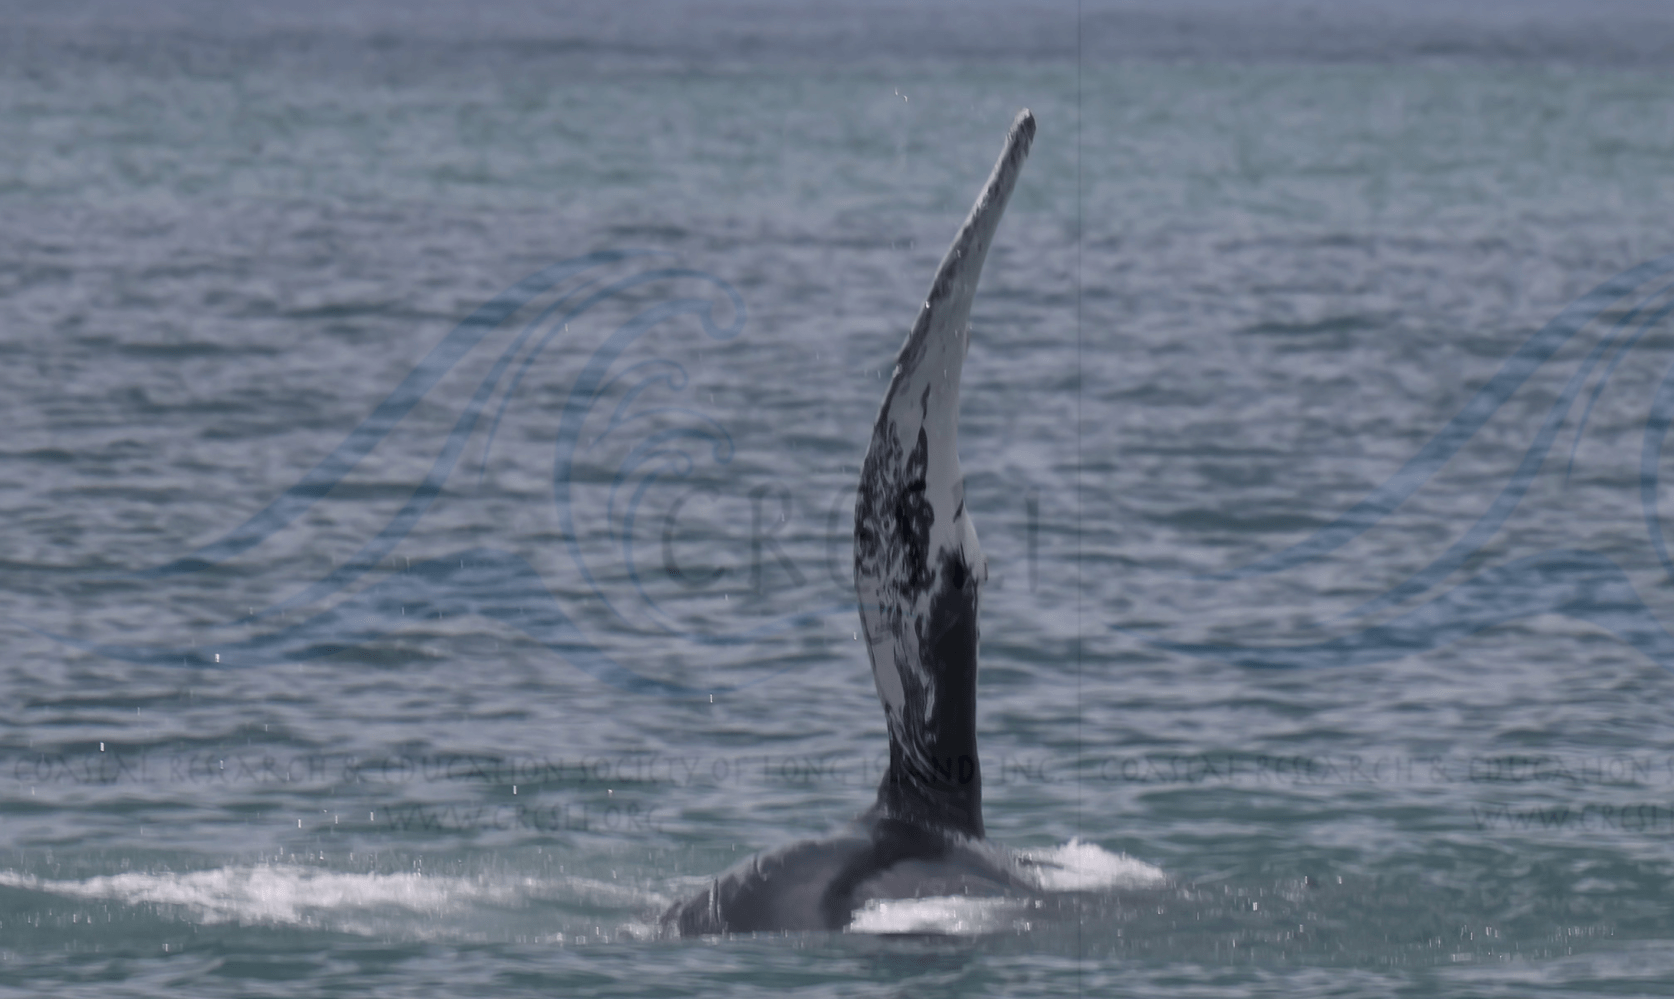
[918, 575]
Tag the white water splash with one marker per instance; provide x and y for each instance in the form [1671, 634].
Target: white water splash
[1082, 866]
[275, 894]
[1074, 866]
[280, 894]
[949, 916]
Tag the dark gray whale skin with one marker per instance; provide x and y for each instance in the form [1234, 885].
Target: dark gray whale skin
[918, 573]
[818, 884]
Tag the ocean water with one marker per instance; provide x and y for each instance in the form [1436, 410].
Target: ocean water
[430, 444]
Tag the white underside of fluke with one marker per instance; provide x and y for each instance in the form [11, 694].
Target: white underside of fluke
[904, 539]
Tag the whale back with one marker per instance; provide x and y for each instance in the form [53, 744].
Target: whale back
[918, 567]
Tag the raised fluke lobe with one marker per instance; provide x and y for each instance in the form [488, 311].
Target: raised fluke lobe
[918, 565]
[918, 570]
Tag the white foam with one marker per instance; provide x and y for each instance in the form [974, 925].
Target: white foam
[949, 916]
[1074, 866]
[277, 893]
[1082, 866]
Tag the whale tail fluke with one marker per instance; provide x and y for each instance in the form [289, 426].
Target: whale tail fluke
[917, 564]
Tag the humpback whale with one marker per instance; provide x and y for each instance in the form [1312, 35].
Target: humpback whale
[918, 571]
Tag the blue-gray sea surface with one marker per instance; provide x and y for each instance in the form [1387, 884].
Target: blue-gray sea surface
[430, 436]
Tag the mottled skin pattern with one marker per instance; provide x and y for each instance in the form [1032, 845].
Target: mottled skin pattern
[917, 564]
[918, 569]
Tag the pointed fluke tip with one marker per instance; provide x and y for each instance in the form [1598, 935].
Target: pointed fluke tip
[1018, 139]
[1024, 124]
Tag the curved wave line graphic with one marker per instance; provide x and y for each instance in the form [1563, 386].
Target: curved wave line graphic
[1441, 448]
[368, 556]
[590, 385]
[331, 469]
[517, 379]
[1504, 504]
[1656, 430]
[1580, 584]
[488, 582]
[1604, 379]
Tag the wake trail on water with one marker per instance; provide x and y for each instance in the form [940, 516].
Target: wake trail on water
[401, 903]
